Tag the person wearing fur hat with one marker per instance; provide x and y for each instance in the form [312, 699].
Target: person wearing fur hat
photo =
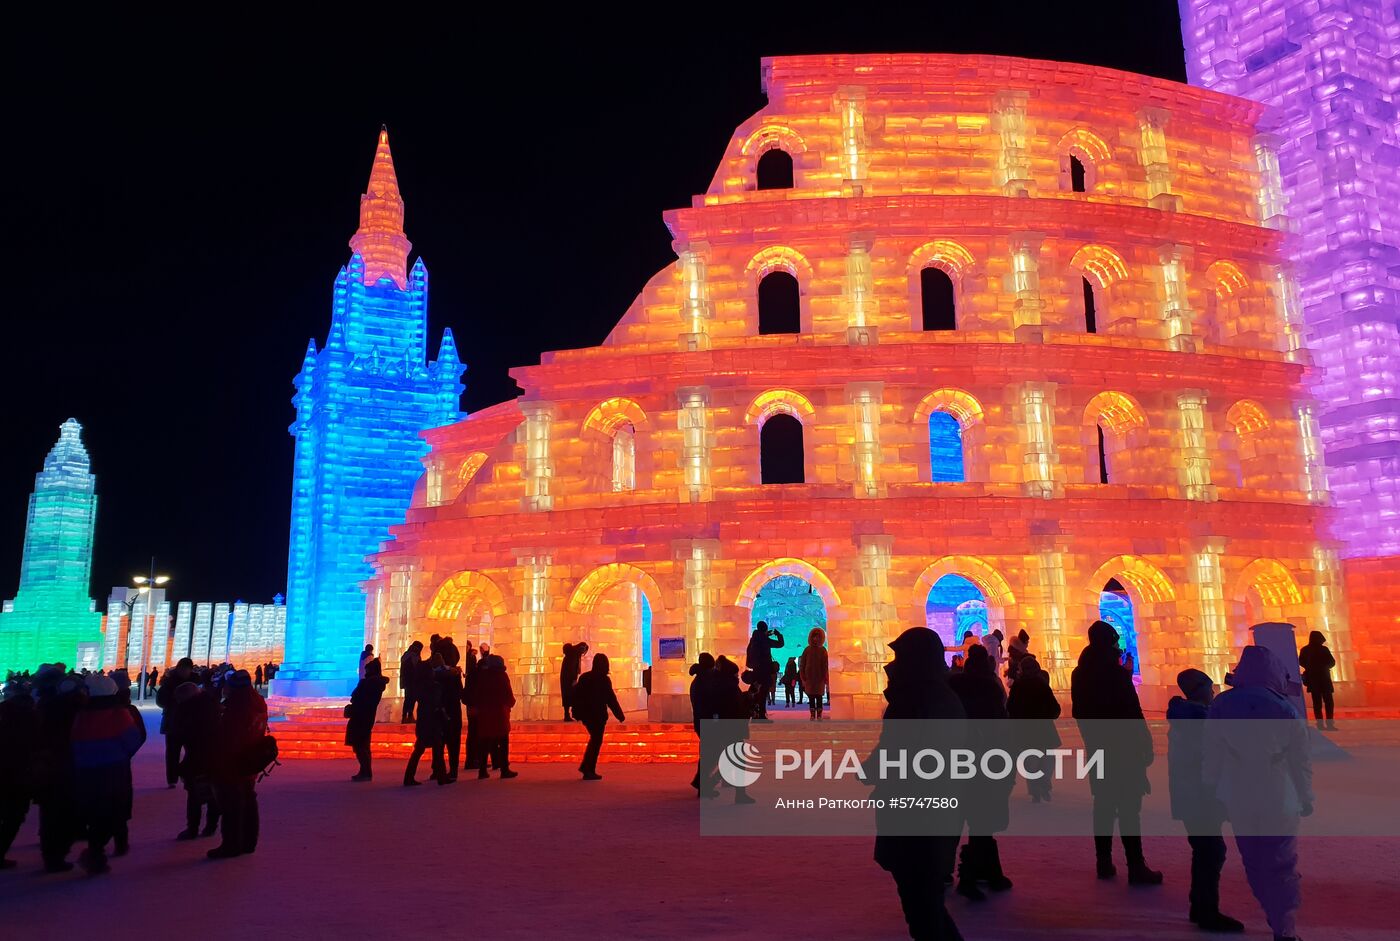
[104, 739]
[196, 723]
[1193, 803]
[1258, 765]
[1101, 689]
[813, 670]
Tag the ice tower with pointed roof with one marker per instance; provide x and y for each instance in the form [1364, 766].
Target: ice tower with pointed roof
[361, 403]
[51, 614]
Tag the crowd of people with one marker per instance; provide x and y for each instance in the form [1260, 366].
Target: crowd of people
[66, 744]
[67, 740]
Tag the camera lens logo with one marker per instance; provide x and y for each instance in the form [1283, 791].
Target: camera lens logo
[740, 764]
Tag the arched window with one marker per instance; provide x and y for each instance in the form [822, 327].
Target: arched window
[1103, 456]
[779, 303]
[624, 458]
[780, 450]
[939, 307]
[1076, 175]
[1091, 313]
[945, 448]
[775, 170]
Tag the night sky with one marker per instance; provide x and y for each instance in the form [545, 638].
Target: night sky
[175, 213]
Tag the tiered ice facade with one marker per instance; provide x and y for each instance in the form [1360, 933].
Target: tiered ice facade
[362, 403]
[1330, 72]
[1040, 354]
[51, 614]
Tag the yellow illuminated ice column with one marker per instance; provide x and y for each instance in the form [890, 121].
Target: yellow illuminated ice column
[1037, 405]
[1290, 314]
[1177, 316]
[539, 416]
[863, 661]
[696, 308]
[1195, 452]
[865, 399]
[697, 559]
[693, 418]
[1025, 278]
[531, 662]
[1013, 160]
[859, 290]
[1272, 206]
[1152, 154]
[1331, 612]
[1054, 595]
[851, 101]
[624, 458]
[1209, 583]
[1314, 469]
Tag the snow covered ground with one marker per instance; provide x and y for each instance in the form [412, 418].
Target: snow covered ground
[548, 856]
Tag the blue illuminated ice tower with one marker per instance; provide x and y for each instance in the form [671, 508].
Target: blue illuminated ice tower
[51, 614]
[361, 404]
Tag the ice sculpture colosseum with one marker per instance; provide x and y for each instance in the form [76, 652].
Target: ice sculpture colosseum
[966, 341]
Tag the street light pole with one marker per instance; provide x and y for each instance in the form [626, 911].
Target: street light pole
[145, 585]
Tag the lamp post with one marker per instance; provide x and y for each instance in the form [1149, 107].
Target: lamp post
[144, 584]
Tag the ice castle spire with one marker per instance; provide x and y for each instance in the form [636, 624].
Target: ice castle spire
[380, 239]
[362, 402]
[51, 614]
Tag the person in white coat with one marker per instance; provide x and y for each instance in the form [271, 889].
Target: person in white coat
[1256, 759]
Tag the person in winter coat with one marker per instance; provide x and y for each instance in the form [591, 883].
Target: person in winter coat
[735, 705]
[19, 747]
[489, 703]
[1019, 648]
[165, 698]
[992, 641]
[449, 680]
[468, 659]
[919, 861]
[593, 699]
[1193, 803]
[242, 726]
[757, 658]
[197, 719]
[1101, 689]
[813, 669]
[410, 668]
[1317, 663]
[363, 709]
[58, 702]
[104, 739]
[429, 727]
[1257, 762]
[121, 837]
[984, 702]
[702, 707]
[451, 656]
[568, 675]
[366, 656]
[1033, 706]
[790, 681]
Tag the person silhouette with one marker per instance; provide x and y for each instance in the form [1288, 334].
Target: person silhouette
[1317, 663]
[1101, 689]
[918, 857]
[1256, 759]
[569, 670]
[593, 699]
[987, 810]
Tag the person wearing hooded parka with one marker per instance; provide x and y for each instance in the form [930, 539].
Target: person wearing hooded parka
[593, 699]
[1100, 689]
[1317, 663]
[1257, 762]
[813, 669]
[917, 851]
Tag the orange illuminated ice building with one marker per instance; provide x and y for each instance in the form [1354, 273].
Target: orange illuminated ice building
[966, 341]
